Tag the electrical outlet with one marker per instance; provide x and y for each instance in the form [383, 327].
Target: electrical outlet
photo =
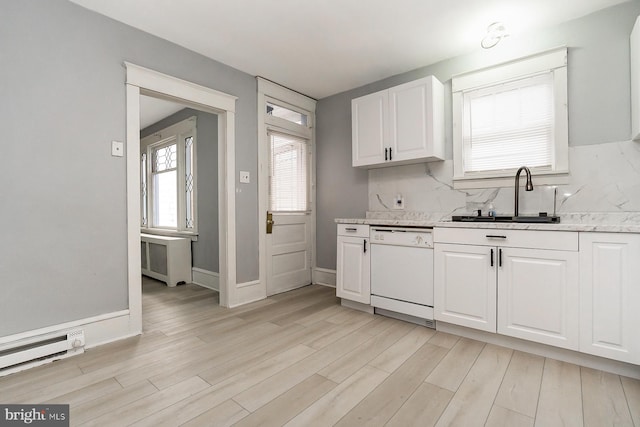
[245, 177]
[398, 202]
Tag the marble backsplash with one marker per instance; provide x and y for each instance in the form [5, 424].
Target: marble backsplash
[603, 187]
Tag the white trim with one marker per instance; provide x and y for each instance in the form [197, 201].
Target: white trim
[281, 93]
[98, 330]
[270, 91]
[173, 134]
[145, 81]
[357, 306]
[205, 278]
[554, 60]
[163, 84]
[134, 268]
[247, 284]
[507, 181]
[570, 356]
[543, 61]
[324, 276]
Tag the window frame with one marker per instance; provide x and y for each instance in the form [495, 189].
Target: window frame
[554, 61]
[177, 133]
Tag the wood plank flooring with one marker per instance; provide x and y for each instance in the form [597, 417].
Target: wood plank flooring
[301, 359]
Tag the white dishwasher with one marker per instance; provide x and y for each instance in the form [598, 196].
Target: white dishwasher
[402, 271]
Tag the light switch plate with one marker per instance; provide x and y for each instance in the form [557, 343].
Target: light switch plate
[117, 148]
[245, 177]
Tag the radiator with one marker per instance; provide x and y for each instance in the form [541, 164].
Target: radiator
[29, 352]
[166, 258]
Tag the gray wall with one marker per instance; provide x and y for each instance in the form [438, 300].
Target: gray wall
[204, 251]
[599, 105]
[63, 252]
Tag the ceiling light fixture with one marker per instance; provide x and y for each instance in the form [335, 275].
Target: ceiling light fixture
[495, 32]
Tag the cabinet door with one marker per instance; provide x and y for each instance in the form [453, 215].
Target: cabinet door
[368, 129]
[416, 121]
[538, 296]
[353, 269]
[465, 285]
[610, 295]
[410, 109]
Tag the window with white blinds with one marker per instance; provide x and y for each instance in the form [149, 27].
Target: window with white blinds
[288, 173]
[511, 115]
[509, 125]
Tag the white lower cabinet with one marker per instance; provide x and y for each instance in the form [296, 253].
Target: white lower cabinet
[524, 292]
[465, 286]
[538, 296]
[353, 266]
[610, 295]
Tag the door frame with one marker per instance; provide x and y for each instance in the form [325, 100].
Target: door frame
[143, 81]
[268, 89]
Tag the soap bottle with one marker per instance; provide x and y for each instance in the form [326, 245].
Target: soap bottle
[491, 210]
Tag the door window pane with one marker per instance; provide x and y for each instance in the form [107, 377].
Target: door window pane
[288, 183]
[286, 114]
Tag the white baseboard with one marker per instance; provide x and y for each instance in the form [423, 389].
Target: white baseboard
[98, 330]
[205, 278]
[324, 276]
[570, 356]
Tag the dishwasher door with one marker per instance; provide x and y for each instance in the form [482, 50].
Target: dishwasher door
[402, 273]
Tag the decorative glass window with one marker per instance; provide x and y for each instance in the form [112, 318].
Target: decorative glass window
[168, 178]
[509, 116]
[143, 190]
[189, 157]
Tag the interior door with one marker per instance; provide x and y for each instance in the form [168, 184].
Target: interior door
[288, 242]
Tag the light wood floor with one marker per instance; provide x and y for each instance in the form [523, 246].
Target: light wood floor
[300, 359]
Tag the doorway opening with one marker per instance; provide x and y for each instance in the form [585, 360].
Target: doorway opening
[178, 206]
[142, 81]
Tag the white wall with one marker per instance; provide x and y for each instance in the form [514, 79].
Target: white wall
[63, 250]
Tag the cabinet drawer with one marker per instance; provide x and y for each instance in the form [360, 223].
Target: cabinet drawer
[539, 239]
[354, 230]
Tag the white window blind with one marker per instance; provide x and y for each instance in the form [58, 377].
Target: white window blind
[289, 171]
[509, 125]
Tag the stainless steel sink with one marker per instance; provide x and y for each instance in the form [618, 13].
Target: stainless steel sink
[544, 219]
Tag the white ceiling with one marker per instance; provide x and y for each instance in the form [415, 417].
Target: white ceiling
[322, 47]
[152, 110]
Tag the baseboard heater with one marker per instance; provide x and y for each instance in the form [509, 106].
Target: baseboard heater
[29, 352]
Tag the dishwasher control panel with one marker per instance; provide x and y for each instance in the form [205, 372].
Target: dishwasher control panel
[418, 237]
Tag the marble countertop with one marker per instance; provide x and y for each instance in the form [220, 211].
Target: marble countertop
[600, 227]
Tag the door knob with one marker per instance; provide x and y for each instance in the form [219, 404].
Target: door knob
[270, 222]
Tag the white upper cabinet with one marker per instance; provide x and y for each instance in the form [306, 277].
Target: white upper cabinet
[400, 125]
[635, 81]
[368, 123]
